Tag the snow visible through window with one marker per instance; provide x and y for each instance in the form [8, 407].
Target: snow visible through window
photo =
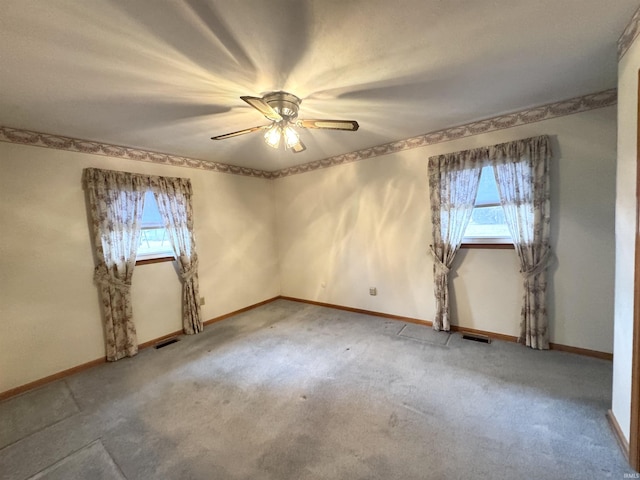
[154, 241]
[487, 224]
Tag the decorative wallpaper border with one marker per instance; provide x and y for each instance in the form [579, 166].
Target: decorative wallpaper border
[36, 139]
[629, 34]
[605, 98]
[585, 103]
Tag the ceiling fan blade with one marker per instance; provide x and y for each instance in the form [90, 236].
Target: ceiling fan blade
[350, 125]
[263, 107]
[299, 147]
[239, 132]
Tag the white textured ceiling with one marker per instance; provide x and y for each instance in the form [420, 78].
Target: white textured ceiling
[166, 75]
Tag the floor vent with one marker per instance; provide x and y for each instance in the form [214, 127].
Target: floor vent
[476, 337]
[165, 343]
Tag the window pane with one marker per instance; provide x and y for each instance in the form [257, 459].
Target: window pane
[487, 219]
[151, 215]
[487, 222]
[487, 189]
[154, 241]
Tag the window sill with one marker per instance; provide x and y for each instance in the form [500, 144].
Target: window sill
[148, 261]
[496, 246]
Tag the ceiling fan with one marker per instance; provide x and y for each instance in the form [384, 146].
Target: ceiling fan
[282, 109]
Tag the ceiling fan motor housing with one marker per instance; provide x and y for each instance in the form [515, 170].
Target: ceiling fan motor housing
[286, 104]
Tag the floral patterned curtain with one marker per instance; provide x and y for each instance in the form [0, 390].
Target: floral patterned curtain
[522, 173]
[521, 169]
[453, 184]
[116, 202]
[173, 196]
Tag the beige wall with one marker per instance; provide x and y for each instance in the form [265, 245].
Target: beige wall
[344, 229]
[49, 314]
[625, 233]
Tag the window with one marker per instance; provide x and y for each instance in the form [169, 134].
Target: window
[154, 241]
[487, 224]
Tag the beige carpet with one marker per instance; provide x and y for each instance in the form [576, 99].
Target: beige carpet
[293, 391]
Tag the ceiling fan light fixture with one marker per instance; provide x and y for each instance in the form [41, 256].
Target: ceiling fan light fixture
[291, 137]
[272, 136]
[281, 108]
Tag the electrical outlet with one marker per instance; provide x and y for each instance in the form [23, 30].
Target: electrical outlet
[201, 300]
[373, 291]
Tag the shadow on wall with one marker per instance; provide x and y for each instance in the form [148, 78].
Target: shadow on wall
[349, 232]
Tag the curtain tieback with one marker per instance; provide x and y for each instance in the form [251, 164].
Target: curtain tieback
[188, 273]
[101, 275]
[538, 267]
[438, 263]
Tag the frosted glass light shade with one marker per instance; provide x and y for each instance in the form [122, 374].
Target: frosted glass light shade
[272, 136]
[291, 137]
